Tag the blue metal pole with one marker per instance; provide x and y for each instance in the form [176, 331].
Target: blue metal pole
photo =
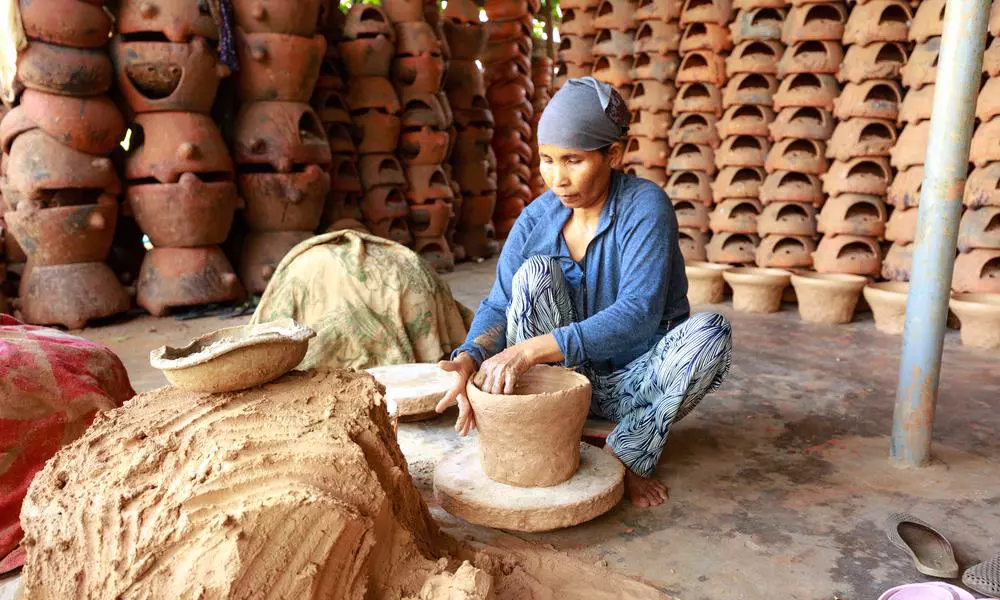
[958, 78]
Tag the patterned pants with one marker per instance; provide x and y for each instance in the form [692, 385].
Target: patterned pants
[650, 393]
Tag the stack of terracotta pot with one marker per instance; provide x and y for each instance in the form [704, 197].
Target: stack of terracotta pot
[576, 40]
[541, 79]
[509, 90]
[654, 65]
[693, 136]
[614, 44]
[59, 188]
[11, 255]
[473, 160]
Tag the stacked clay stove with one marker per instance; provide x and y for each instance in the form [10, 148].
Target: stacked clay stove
[11, 255]
[654, 66]
[60, 189]
[614, 45]
[473, 161]
[541, 80]
[279, 146]
[576, 40]
[509, 90]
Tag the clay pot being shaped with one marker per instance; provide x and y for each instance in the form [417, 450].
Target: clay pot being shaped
[576, 50]
[275, 16]
[66, 234]
[979, 228]
[692, 157]
[980, 317]
[51, 295]
[898, 263]
[705, 282]
[611, 42]
[828, 298]
[928, 21]
[705, 36]
[804, 122]
[812, 56]
[735, 216]
[367, 20]
[853, 214]
[262, 252]
[905, 189]
[653, 125]
[518, 448]
[64, 70]
[909, 151]
[719, 12]
[821, 22]
[902, 226]
[38, 166]
[698, 98]
[692, 243]
[742, 151]
[423, 73]
[694, 186]
[746, 119]
[613, 71]
[779, 251]
[750, 88]
[177, 21]
[757, 290]
[787, 219]
[655, 67]
[165, 145]
[851, 254]
[652, 96]
[887, 300]
[702, 66]
[861, 137]
[381, 170]
[732, 248]
[878, 99]
[694, 128]
[878, 21]
[737, 182]
[279, 134]
[869, 175]
[368, 56]
[164, 76]
[281, 67]
[802, 155]
[791, 186]
[176, 277]
[755, 56]
[615, 14]
[982, 187]
[92, 125]
[977, 271]
[659, 37]
[285, 201]
[762, 23]
[881, 60]
[807, 89]
[188, 213]
[921, 66]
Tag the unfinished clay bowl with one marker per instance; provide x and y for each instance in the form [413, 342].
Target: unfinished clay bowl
[800, 155]
[658, 37]
[742, 151]
[746, 119]
[732, 248]
[921, 66]
[853, 214]
[284, 201]
[177, 21]
[698, 98]
[39, 166]
[828, 298]
[977, 271]
[869, 175]
[755, 56]
[275, 16]
[704, 36]
[92, 125]
[234, 358]
[705, 282]
[980, 317]
[787, 218]
[887, 300]
[851, 254]
[805, 122]
[274, 66]
[881, 60]
[750, 88]
[279, 134]
[719, 12]
[759, 23]
[188, 213]
[757, 290]
[71, 23]
[702, 66]
[367, 20]
[737, 182]
[70, 295]
[807, 89]
[165, 76]
[785, 251]
[878, 99]
[262, 252]
[693, 244]
[66, 234]
[692, 157]
[176, 277]
[64, 70]
[861, 137]
[167, 144]
[811, 56]
[821, 22]
[878, 21]
[519, 448]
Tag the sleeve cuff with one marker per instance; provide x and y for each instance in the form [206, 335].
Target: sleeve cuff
[474, 352]
[570, 341]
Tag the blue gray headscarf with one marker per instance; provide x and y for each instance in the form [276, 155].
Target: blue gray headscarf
[585, 114]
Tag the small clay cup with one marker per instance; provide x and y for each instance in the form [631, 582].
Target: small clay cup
[757, 290]
[532, 437]
[980, 317]
[828, 298]
[705, 282]
[887, 300]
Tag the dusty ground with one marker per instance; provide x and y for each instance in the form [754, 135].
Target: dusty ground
[778, 483]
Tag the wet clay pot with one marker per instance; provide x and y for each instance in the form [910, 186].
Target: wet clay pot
[691, 214]
[879, 99]
[705, 282]
[853, 214]
[92, 125]
[785, 251]
[905, 189]
[274, 66]
[887, 300]
[787, 218]
[732, 248]
[188, 213]
[164, 76]
[262, 252]
[807, 89]
[423, 73]
[801, 155]
[692, 157]
[38, 166]
[742, 151]
[737, 182]
[869, 175]
[828, 298]
[790, 186]
[878, 21]
[431, 220]
[811, 56]
[719, 12]
[977, 271]
[376, 132]
[921, 66]
[276, 16]
[762, 23]
[698, 98]
[65, 235]
[821, 22]
[66, 23]
[704, 36]
[804, 122]
[979, 228]
[655, 67]
[755, 56]
[70, 295]
[757, 290]
[167, 144]
[176, 277]
[64, 70]
[898, 263]
[659, 37]
[692, 243]
[178, 21]
[695, 186]
[654, 125]
[750, 88]
[284, 201]
[861, 137]
[851, 254]
[747, 119]
[279, 134]
[902, 226]
[881, 60]
[516, 445]
[980, 317]
[694, 128]
[367, 20]
[702, 66]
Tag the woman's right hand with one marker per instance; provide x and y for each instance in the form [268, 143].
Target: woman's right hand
[464, 367]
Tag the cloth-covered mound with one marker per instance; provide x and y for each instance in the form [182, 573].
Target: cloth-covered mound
[371, 302]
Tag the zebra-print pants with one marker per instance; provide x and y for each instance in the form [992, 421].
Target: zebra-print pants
[653, 391]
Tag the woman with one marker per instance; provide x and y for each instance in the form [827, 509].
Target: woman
[591, 276]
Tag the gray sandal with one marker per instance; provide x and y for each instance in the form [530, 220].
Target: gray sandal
[984, 577]
[931, 552]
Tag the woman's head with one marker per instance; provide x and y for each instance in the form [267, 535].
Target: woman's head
[579, 137]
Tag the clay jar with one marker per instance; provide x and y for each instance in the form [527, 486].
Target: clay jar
[980, 317]
[757, 290]
[532, 438]
[706, 284]
[277, 16]
[278, 67]
[827, 297]
[164, 76]
[188, 213]
[887, 300]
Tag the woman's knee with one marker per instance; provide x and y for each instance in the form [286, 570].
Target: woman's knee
[710, 322]
[534, 275]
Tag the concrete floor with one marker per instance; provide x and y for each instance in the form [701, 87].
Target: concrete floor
[779, 482]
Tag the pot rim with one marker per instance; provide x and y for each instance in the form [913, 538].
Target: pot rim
[480, 395]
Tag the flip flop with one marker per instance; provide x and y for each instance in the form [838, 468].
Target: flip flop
[984, 577]
[931, 590]
[931, 552]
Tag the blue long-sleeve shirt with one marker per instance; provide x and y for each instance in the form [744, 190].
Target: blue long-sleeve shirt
[628, 287]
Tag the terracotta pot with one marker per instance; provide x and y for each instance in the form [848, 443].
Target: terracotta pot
[871, 99]
[92, 125]
[424, 110]
[742, 151]
[64, 70]
[780, 251]
[610, 42]
[402, 12]
[332, 74]
[66, 23]
[436, 252]
[577, 22]
[853, 214]
[702, 66]
[928, 21]
[993, 25]
[473, 143]
[982, 187]
[38, 164]
[344, 174]
[746, 119]
[801, 155]
[465, 85]
[912, 145]
[902, 226]
[416, 38]
[509, 93]
[807, 89]
[657, 10]
[928, 49]
[178, 21]
[735, 216]
[615, 14]
[653, 125]
[921, 66]
[381, 170]
[501, 10]
[367, 20]
[880, 60]
[755, 56]
[376, 132]
[694, 128]
[812, 56]
[704, 36]
[689, 185]
[64, 235]
[477, 211]
[475, 177]
[188, 213]
[341, 206]
[980, 317]
[919, 107]
[419, 74]
[498, 52]
[787, 219]
[613, 71]
[757, 290]
[848, 254]
[368, 57]
[167, 144]
[461, 11]
[567, 70]
[660, 37]
[692, 243]
[982, 152]
[977, 229]
[51, 295]
[691, 214]
[824, 21]
[577, 50]
[737, 182]
[655, 67]
[430, 220]
[898, 262]
[331, 107]
[392, 229]
[652, 96]
[164, 76]
[479, 242]
[977, 271]
[466, 40]
[790, 186]
[866, 175]
[878, 21]
[705, 282]
[279, 134]
[698, 98]
[383, 203]
[262, 252]
[341, 139]
[763, 23]
[861, 137]
[751, 4]
[692, 157]
[887, 300]
[274, 16]
[348, 224]
[427, 183]
[281, 67]
[732, 248]
[828, 298]
[719, 12]
[285, 201]
[423, 146]
[905, 189]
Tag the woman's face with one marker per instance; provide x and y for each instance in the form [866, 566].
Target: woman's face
[580, 178]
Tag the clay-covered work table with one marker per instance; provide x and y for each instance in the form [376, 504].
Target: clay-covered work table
[414, 389]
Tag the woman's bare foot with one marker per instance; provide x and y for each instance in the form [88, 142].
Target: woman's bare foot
[644, 492]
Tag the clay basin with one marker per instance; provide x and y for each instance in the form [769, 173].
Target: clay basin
[757, 290]
[532, 437]
[234, 358]
[827, 297]
[705, 282]
[887, 300]
[980, 317]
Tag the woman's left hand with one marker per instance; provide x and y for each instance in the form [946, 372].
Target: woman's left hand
[499, 374]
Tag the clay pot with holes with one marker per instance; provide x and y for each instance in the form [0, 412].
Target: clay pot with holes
[902, 226]
[991, 60]
[732, 248]
[787, 219]
[285, 201]
[762, 23]
[750, 88]
[928, 21]
[911, 146]
[475, 177]
[905, 188]
[416, 38]
[982, 152]
[368, 56]
[735, 216]
[466, 40]
[921, 66]
[392, 229]
[331, 107]
[704, 36]
[71, 23]
[279, 134]
[742, 151]
[177, 21]
[376, 132]
[879, 99]
[367, 20]
[176, 277]
[382, 203]
[424, 110]
[430, 220]
[664, 10]
[613, 71]
[465, 85]
[66, 234]
[979, 229]
[801, 155]
[987, 107]
[853, 214]
[262, 252]
[479, 242]
[38, 165]
[878, 21]
[698, 98]
[278, 67]
[477, 211]
[343, 174]
[755, 56]
[746, 119]
[341, 139]
[164, 76]
[861, 137]
[566, 71]
[977, 271]
[689, 185]
[785, 252]
[850, 254]
[881, 60]
[655, 67]
[436, 252]
[802, 122]
[791, 186]
[702, 66]
[50, 295]
[91, 124]
[659, 37]
[654, 125]
[646, 151]
[691, 214]
[341, 206]
[823, 22]
[869, 175]
[499, 52]
[427, 183]
[576, 50]
[578, 23]
[423, 73]
[509, 93]
[983, 187]
[610, 42]
[692, 157]
[812, 57]
[719, 12]
[165, 145]
[275, 16]
[737, 182]
[615, 14]
[401, 12]
[473, 144]
[807, 89]
[692, 243]
[898, 264]
[188, 213]
[63, 70]
[381, 170]
[652, 96]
